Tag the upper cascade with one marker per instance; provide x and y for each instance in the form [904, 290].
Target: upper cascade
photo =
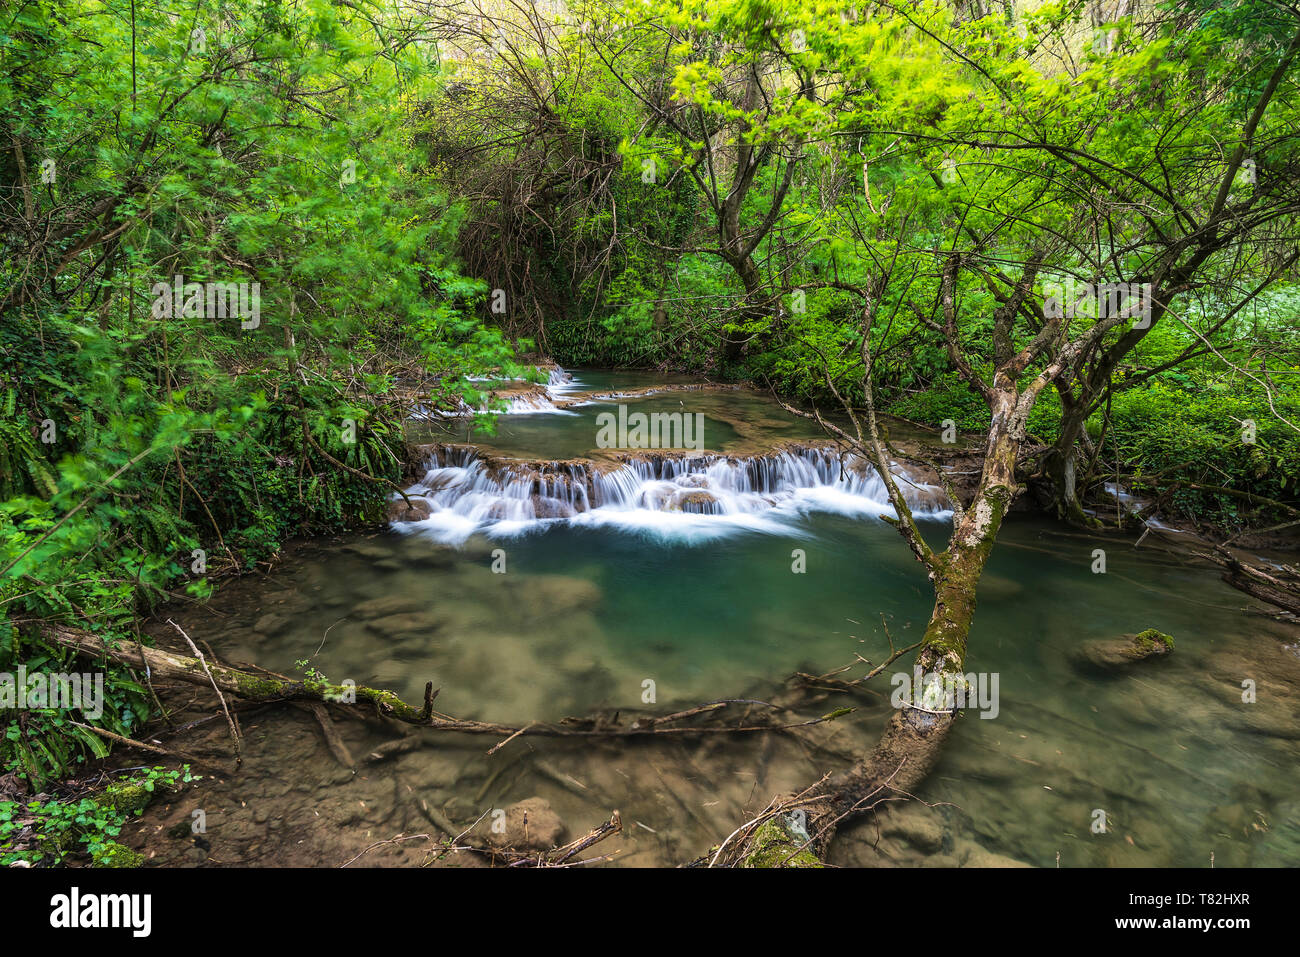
[534, 398]
[667, 493]
[560, 394]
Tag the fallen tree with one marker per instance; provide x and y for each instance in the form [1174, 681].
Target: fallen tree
[260, 687]
[266, 686]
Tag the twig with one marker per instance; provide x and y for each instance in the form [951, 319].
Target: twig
[230, 721]
[392, 840]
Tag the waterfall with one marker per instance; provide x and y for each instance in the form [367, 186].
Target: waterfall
[560, 381]
[533, 403]
[682, 494]
[528, 401]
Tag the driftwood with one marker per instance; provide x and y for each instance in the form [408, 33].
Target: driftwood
[268, 686]
[1278, 586]
[561, 856]
[150, 748]
[312, 696]
[230, 720]
[332, 736]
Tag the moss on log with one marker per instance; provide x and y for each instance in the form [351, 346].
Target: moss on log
[780, 842]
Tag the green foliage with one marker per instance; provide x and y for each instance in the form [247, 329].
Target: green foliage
[41, 745]
[46, 831]
[1167, 434]
[745, 188]
[947, 398]
[147, 445]
[23, 466]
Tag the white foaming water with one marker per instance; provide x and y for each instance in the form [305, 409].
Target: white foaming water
[558, 383]
[534, 403]
[689, 497]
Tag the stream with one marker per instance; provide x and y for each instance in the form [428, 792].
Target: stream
[554, 578]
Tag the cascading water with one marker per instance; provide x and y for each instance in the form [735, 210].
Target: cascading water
[541, 401]
[533, 403]
[521, 400]
[671, 495]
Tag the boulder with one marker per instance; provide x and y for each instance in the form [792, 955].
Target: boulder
[530, 825]
[417, 511]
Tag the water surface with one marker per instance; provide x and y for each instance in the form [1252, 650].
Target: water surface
[579, 616]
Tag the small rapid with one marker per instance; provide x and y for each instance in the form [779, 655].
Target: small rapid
[664, 494]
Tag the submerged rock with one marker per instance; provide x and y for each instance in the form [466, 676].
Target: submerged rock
[530, 825]
[387, 605]
[270, 624]
[369, 549]
[548, 597]
[919, 826]
[1109, 654]
[404, 623]
[972, 854]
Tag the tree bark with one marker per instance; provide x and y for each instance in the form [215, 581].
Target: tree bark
[913, 739]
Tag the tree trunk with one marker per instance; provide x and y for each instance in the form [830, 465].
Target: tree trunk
[1061, 463]
[913, 739]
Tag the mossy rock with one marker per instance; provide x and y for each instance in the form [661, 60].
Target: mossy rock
[777, 843]
[1152, 642]
[113, 854]
[126, 798]
[1114, 653]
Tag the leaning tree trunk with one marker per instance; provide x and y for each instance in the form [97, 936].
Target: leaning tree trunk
[913, 739]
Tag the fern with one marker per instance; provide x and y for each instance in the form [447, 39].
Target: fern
[23, 466]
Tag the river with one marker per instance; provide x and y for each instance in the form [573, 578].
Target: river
[553, 578]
